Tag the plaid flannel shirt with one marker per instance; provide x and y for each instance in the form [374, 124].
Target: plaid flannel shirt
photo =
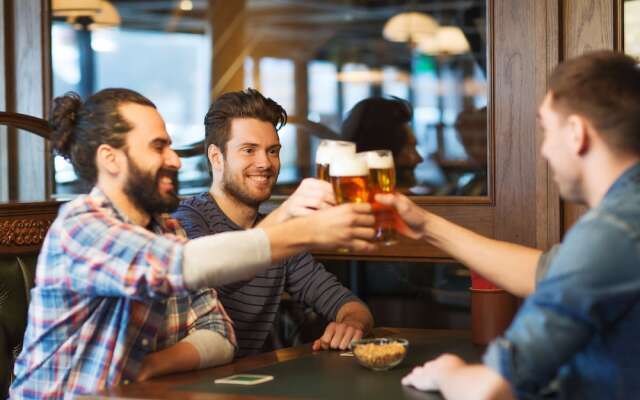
[107, 293]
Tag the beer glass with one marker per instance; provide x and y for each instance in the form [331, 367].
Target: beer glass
[350, 179]
[382, 179]
[327, 149]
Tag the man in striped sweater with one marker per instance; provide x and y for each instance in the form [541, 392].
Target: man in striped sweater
[243, 149]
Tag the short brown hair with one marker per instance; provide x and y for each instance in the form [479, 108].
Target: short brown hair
[604, 88]
[242, 104]
[79, 128]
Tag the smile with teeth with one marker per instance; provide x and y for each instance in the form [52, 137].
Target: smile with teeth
[260, 178]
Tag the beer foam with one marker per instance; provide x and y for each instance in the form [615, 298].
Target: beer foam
[376, 161]
[348, 166]
[334, 148]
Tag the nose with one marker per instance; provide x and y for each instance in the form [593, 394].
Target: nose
[417, 158]
[172, 160]
[263, 160]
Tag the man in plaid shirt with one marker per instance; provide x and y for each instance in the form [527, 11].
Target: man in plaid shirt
[120, 294]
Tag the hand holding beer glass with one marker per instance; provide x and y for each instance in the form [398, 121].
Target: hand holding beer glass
[382, 179]
[358, 177]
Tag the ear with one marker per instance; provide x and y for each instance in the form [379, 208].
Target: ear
[216, 158]
[579, 134]
[108, 160]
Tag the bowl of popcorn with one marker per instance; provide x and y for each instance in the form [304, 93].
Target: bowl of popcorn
[380, 354]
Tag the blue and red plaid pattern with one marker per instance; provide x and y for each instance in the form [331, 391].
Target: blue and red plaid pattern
[107, 293]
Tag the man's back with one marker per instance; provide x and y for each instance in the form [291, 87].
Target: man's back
[581, 325]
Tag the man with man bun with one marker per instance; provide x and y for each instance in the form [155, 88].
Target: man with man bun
[120, 294]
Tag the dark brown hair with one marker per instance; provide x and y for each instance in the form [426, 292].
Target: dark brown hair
[378, 123]
[242, 104]
[604, 88]
[80, 128]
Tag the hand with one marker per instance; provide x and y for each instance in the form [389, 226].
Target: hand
[429, 376]
[410, 219]
[348, 226]
[311, 195]
[338, 335]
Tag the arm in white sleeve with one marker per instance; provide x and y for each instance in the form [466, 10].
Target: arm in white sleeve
[216, 260]
[213, 348]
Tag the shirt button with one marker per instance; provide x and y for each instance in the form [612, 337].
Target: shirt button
[145, 342]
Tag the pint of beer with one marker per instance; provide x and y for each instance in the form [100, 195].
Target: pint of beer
[382, 179]
[350, 179]
[327, 149]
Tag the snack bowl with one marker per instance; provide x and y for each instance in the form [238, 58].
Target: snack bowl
[380, 354]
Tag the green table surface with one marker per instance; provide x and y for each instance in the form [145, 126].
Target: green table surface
[328, 375]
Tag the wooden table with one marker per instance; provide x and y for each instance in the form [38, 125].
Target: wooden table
[301, 373]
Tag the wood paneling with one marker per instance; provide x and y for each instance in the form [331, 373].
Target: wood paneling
[547, 53]
[229, 48]
[587, 25]
[4, 141]
[29, 97]
[515, 104]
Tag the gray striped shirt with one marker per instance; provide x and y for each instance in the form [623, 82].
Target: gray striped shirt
[253, 305]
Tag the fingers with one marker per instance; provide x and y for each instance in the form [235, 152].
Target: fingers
[337, 336]
[357, 245]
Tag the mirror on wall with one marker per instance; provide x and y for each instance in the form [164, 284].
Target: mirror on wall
[327, 62]
[631, 28]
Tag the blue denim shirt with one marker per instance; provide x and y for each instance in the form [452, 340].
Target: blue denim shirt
[578, 335]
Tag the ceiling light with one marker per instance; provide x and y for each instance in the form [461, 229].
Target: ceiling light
[448, 40]
[407, 27]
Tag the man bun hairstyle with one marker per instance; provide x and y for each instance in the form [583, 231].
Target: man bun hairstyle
[80, 128]
[603, 87]
[248, 103]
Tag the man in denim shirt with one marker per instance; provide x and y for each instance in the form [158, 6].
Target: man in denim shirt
[577, 334]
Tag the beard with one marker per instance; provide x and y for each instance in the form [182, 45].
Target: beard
[142, 189]
[234, 188]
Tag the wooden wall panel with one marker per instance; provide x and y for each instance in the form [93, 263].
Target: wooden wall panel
[515, 106]
[29, 97]
[4, 140]
[547, 54]
[229, 47]
[587, 25]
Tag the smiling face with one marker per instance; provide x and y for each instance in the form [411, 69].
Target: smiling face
[251, 161]
[560, 150]
[152, 166]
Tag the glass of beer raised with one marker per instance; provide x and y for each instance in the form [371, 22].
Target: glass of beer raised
[382, 179]
[327, 149]
[350, 179]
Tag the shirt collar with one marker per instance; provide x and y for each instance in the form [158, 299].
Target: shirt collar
[629, 179]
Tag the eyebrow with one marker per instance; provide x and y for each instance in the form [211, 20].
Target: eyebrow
[249, 144]
[162, 141]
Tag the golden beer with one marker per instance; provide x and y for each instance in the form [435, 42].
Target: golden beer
[350, 180]
[322, 172]
[350, 189]
[327, 150]
[382, 179]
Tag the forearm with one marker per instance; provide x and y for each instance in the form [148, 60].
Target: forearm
[201, 349]
[289, 238]
[510, 266]
[355, 312]
[182, 356]
[474, 382]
